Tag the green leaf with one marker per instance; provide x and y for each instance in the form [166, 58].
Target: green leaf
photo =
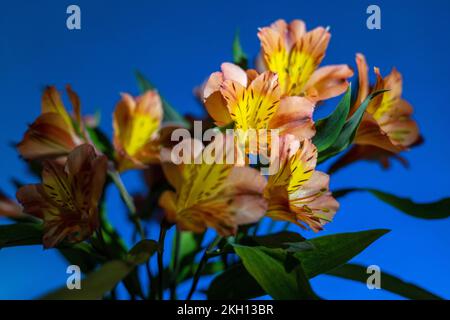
[96, 284]
[329, 252]
[335, 250]
[103, 280]
[211, 268]
[348, 131]
[388, 282]
[170, 114]
[142, 251]
[432, 210]
[234, 284]
[239, 56]
[25, 234]
[101, 141]
[275, 273]
[279, 239]
[190, 245]
[329, 128]
[81, 255]
[291, 241]
[20, 234]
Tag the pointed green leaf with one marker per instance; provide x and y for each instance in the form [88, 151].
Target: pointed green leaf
[388, 282]
[96, 284]
[335, 250]
[103, 280]
[239, 56]
[235, 283]
[432, 210]
[328, 253]
[20, 234]
[329, 128]
[348, 131]
[142, 251]
[101, 141]
[170, 114]
[272, 269]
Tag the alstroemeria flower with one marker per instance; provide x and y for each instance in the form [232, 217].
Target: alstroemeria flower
[254, 101]
[387, 127]
[10, 208]
[212, 194]
[297, 192]
[295, 55]
[67, 199]
[54, 133]
[136, 123]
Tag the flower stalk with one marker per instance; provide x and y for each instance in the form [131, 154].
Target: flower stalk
[204, 260]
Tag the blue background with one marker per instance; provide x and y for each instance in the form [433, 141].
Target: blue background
[177, 44]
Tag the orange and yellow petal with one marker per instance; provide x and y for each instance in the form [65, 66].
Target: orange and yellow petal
[294, 116]
[136, 123]
[328, 82]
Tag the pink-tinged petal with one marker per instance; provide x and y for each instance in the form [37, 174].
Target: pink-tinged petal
[87, 172]
[150, 103]
[136, 123]
[52, 103]
[76, 105]
[313, 204]
[173, 172]
[252, 74]
[280, 26]
[272, 42]
[328, 82]
[216, 107]
[249, 208]
[235, 73]
[10, 208]
[294, 116]
[47, 137]
[316, 185]
[167, 201]
[245, 187]
[213, 84]
[403, 132]
[363, 80]
[32, 198]
[370, 133]
[297, 29]
[394, 83]
[260, 64]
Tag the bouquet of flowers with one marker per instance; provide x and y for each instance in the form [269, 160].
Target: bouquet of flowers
[237, 192]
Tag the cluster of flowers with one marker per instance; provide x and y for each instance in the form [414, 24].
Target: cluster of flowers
[282, 93]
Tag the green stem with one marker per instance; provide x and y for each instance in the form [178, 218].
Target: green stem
[175, 266]
[128, 200]
[162, 236]
[202, 264]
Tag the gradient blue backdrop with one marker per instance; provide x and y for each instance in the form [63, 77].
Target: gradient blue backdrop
[177, 44]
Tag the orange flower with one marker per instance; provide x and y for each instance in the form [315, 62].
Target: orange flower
[298, 193]
[254, 101]
[295, 56]
[67, 200]
[387, 127]
[136, 123]
[211, 193]
[54, 133]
